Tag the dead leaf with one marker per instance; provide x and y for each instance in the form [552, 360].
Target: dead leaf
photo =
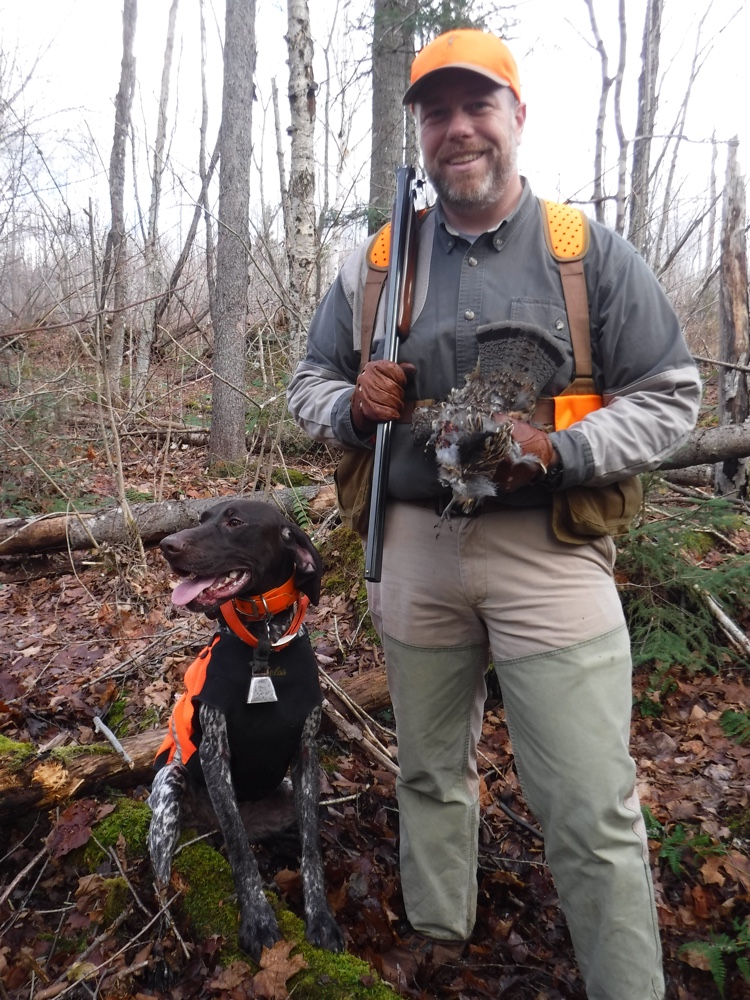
[695, 959]
[277, 967]
[710, 870]
[233, 976]
[73, 829]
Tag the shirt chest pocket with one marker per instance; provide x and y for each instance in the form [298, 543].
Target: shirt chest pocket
[551, 316]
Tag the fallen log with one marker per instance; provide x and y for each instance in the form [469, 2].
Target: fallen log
[709, 445]
[68, 532]
[33, 780]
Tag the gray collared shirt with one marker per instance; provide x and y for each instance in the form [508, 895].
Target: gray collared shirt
[642, 366]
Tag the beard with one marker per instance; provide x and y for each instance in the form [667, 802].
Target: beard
[476, 192]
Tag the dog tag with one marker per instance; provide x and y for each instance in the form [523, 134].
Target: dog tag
[261, 689]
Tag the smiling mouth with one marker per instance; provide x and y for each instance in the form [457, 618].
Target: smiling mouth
[460, 159]
[206, 592]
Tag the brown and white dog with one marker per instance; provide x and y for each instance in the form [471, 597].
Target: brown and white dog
[252, 704]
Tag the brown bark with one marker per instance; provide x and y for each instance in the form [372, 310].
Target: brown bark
[227, 443]
[45, 781]
[392, 53]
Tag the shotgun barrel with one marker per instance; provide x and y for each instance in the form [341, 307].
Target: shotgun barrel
[399, 287]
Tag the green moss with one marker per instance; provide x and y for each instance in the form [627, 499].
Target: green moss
[739, 824]
[290, 477]
[15, 754]
[209, 897]
[116, 900]
[344, 559]
[130, 819]
[116, 714]
[329, 976]
[68, 753]
[210, 905]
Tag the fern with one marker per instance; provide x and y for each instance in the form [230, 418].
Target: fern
[300, 508]
[722, 946]
[736, 725]
[661, 561]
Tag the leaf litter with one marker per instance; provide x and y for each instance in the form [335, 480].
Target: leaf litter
[75, 648]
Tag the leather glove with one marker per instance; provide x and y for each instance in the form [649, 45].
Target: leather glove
[379, 394]
[537, 457]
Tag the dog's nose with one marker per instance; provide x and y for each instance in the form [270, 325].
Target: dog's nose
[172, 545]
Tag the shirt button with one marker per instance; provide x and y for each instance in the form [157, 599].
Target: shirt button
[472, 262]
[559, 325]
[469, 314]
[498, 242]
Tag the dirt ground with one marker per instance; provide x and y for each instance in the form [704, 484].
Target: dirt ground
[105, 641]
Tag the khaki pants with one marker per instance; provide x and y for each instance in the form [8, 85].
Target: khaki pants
[550, 615]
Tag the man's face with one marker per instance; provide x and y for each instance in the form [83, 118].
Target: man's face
[469, 130]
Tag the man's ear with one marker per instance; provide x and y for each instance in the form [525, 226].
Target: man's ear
[308, 565]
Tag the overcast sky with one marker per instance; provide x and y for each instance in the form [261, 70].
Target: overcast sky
[79, 42]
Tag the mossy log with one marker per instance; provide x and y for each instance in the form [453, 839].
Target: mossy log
[30, 779]
[24, 536]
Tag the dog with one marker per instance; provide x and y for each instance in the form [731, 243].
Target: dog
[252, 704]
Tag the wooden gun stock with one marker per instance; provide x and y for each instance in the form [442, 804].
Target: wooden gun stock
[399, 295]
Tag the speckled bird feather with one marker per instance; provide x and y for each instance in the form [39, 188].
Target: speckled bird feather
[516, 361]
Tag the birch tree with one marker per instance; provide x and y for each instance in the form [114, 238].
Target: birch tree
[640, 207]
[113, 269]
[734, 316]
[153, 271]
[227, 439]
[300, 241]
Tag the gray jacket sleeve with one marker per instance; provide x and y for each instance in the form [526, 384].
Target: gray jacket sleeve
[321, 387]
[650, 385]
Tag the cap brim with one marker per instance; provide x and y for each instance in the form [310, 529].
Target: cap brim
[410, 97]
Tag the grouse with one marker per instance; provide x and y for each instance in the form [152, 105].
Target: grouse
[516, 361]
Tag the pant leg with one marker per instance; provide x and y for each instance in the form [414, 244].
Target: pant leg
[436, 654]
[438, 697]
[568, 714]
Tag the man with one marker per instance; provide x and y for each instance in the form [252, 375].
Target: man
[501, 582]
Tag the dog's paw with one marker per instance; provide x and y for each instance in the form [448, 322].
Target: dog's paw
[323, 931]
[257, 932]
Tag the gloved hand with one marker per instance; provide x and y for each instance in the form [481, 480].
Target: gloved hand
[379, 394]
[537, 456]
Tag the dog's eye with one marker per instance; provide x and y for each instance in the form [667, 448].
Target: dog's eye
[234, 522]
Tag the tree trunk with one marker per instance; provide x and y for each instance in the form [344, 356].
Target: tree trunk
[59, 532]
[392, 53]
[154, 280]
[734, 332]
[640, 207]
[113, 270]
[300, 239]
[227, 444]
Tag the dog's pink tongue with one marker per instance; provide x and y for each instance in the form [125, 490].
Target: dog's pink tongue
[188, 590]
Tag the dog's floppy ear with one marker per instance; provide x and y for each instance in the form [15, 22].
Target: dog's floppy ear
[308, 566]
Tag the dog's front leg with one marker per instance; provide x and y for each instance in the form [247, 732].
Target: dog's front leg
[258, 927]
[322, 930]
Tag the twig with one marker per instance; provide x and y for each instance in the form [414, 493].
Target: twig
[732, 631]
[108, 734]
[506, 809]
[22, 874]
[129, 944]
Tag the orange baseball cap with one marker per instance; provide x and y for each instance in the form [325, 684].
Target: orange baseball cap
[464, 48]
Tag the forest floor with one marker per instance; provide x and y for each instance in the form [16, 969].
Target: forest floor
[107, 642]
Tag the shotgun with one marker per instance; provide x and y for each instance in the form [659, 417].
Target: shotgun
[399, 289]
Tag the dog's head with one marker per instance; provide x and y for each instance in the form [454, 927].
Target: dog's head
[240, 548]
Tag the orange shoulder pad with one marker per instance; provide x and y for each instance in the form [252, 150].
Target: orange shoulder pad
[566, 230]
